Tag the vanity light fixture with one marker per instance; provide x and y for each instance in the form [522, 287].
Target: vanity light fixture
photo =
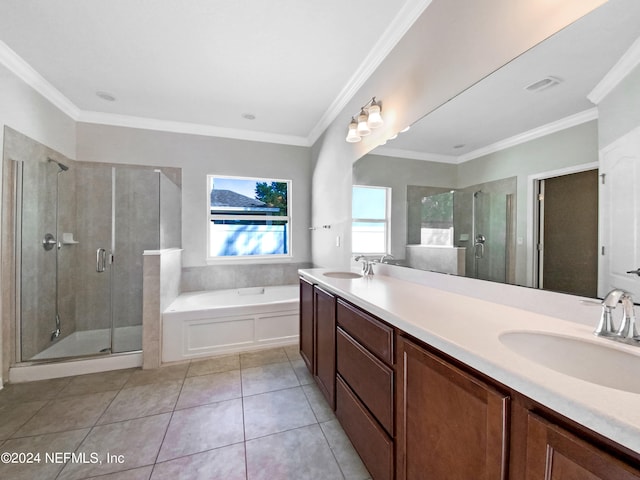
[368, 118]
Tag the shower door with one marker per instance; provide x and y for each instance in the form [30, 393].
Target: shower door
[92, 270]
[122, 221]
[81, 231]
[490, 218]
[37, 254]
[136, 225]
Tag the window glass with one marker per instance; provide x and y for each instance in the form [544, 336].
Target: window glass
[369, 227]
[248, 217]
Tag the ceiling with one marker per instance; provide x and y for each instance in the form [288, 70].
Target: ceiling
[499, 112]
[203, 65]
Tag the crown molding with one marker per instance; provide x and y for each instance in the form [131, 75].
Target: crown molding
[400, 24]
[28, 75]
[144, 123]
[397, 28]
[413, 155]
[553, 127]
[618, 72]
[544, 130]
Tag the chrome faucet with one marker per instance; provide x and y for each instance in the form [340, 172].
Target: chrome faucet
[606, 327]
[385, 257]
[627, 332]
[367, 266]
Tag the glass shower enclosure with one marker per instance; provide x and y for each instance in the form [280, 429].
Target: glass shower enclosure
[81, 229]
[479, 221]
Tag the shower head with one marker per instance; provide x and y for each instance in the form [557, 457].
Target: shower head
[62, 166]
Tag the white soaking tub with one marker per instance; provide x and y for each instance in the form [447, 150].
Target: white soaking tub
[205, 323]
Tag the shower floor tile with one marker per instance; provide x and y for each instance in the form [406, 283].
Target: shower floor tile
[250, 416]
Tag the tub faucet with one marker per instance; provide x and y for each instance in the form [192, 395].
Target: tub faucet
[367, 266]
[385, 257]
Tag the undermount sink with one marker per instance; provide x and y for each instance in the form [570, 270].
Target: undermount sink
[342, 275]
[588, 360]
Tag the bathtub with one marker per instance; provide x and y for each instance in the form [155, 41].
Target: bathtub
[206, 323]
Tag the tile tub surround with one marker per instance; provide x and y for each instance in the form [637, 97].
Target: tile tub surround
[468, 329]
[223, 277]
[244, 416]
[161, 285]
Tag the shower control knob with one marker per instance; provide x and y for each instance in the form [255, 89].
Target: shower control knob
[637, 272]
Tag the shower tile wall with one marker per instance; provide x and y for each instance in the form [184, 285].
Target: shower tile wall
[220, 277]
[137, 228]
[38, 266]
[170, 208]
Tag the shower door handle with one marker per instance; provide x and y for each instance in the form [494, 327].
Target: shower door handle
[101, 260]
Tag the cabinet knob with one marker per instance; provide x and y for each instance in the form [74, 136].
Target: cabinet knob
[637, 272]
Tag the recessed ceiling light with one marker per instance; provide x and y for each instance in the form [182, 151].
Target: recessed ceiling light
[248, 116]
[106, 96]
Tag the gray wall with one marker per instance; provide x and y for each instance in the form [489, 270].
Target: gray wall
[397, 173]
[199, 156]
[567, 148]
[616, 116]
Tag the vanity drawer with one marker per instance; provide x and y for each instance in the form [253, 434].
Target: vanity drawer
[370, 332]
[370, 441]
[369, 378]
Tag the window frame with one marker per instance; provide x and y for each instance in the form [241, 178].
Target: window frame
[268, 258]
[386, 222]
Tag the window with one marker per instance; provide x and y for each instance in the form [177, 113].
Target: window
[248, 217]
[437, 219]
[370, 219]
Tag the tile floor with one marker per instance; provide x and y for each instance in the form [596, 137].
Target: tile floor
[251, 416]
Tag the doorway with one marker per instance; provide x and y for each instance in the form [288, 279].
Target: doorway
[567, 240]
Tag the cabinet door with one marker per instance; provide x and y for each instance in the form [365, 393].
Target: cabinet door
[450, 424]
[555, 454]
[325, 344]
[307, 325]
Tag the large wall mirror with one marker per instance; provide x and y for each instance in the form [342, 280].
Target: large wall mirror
[505, 181]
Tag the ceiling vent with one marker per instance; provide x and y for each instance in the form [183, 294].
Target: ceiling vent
[543, 84]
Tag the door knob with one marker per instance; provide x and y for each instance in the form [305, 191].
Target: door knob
[637, 272]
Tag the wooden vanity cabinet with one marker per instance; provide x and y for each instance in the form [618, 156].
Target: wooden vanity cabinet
[307, 325]
[412, 412]
[553, 453]
[366, 387]
[449, 424]
[325, 343]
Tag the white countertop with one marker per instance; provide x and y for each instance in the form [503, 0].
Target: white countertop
[468, 329]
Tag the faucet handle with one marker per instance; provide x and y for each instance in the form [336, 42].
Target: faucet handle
[628, 331]
[605, 326]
